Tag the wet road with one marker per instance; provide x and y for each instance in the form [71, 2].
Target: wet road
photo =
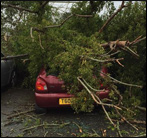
[55, 123]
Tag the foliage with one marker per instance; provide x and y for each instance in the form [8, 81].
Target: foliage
[128, 25]
[66, 50]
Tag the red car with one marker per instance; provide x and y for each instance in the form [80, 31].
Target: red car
[51, 92]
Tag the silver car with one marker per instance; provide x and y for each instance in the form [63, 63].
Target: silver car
[8, 72]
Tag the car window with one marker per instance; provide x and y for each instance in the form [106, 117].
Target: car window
[2, 55]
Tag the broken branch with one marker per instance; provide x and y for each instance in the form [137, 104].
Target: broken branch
[119, 63]
[117, 127]
[41, 125]
[21, 113]
[80, 128]
[123, 43]
[118, 44]
[126, 119]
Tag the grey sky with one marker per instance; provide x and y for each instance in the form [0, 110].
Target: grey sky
[65, 5]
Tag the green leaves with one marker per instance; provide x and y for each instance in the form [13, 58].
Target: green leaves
[83, 102]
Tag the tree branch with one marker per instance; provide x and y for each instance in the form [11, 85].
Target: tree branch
[41, 125]
[106, 60]
[131, 43]
[118, 93]
[95, 97]
[119, 44]
[98, 102]
[121, 7]
[120, 82]
[31, 33]
[78, 15]
[92, 87]
[139, 40]
[126, 120]
[118, 129]
[119, 63]
[59, 25]
[131, 51]
[40, 41]
[44, 3]
[18, 8]
[141, 108]
[123, 43]
[20, 113]
[53, 26]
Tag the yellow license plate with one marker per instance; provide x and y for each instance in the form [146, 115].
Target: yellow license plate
[64, 101]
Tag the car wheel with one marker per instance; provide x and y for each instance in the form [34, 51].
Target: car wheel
[13, 79]
[39, 110]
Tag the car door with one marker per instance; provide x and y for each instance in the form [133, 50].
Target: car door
[6, 69]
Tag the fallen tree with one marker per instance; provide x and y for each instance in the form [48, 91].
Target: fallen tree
[78, 58]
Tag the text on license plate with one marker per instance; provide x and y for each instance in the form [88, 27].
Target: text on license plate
[64, 101]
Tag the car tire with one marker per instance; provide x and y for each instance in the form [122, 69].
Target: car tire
[39, 110]
[13, 79]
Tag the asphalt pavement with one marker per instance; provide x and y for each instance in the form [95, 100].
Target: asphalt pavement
[18, 119]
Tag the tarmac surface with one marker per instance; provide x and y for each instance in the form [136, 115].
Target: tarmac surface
[17, 121]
